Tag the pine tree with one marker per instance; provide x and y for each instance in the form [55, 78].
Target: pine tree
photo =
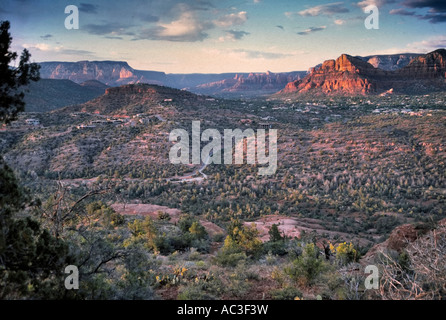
[31, 260]
[274, 234]
[12, 78]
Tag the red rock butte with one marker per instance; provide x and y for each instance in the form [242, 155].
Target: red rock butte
[349, 75]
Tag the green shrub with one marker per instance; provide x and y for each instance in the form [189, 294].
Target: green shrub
[288, 293]
[276, 248]
[164, 216]
[345, 253]
[218, 237]
[241, 237]
[229, 257]
[308, 266]
[194, 292]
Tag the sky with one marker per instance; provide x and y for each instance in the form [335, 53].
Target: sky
[217, 36]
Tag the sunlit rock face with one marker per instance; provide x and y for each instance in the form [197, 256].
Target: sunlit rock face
[349, 75]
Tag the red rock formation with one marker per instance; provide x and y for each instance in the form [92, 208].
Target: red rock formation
[430, 66]
[348, 75]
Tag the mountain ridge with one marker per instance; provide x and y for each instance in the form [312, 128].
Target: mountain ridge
[50, 94]
[131, 99]
[117, 73]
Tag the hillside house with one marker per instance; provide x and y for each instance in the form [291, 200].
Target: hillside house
[264, 125]
[32, 122]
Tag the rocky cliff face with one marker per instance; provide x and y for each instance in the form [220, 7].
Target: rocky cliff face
[346, 74]
[390, 62]
[112, 73]
[430, 66]
[398, 240]
[253, 83]
[349, 75]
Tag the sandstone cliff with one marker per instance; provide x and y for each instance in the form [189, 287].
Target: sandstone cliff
[349, 75]
[112, 73]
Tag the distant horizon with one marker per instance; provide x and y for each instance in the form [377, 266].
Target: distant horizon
[229, 36]
[235, 72]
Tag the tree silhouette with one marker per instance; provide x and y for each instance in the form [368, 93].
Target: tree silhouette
[31, 260]
[12, 78]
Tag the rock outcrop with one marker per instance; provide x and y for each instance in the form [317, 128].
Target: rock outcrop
[430, 66]
[398, 240]
[349, 75]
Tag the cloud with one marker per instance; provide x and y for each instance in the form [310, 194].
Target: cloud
[434, 17]
[183, 22]
[47, 36]
[187, 28]
[37, 46]
[198, 5]
[76, 52]
[324, 9]
[379, 3]
[88, 8]
[311, 30]
[148, 17]
[424, 46]
[264, 55]
[233, 19]
[114, 37]
[234, 35]
[435, 6]
[436, 13]
[402, 12]
[428, 45]
[59, 49]
[111, 28]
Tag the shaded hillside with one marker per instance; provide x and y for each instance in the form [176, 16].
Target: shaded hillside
[49, 94]
[137, 98]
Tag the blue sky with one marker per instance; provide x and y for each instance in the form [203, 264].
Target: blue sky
[209, 36]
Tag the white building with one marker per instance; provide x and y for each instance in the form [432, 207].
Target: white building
[32, 122]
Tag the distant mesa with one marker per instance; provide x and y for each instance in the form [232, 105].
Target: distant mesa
[390, 62]
[348, 75]
[251, 84]
[117, 73]
[111, 73]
